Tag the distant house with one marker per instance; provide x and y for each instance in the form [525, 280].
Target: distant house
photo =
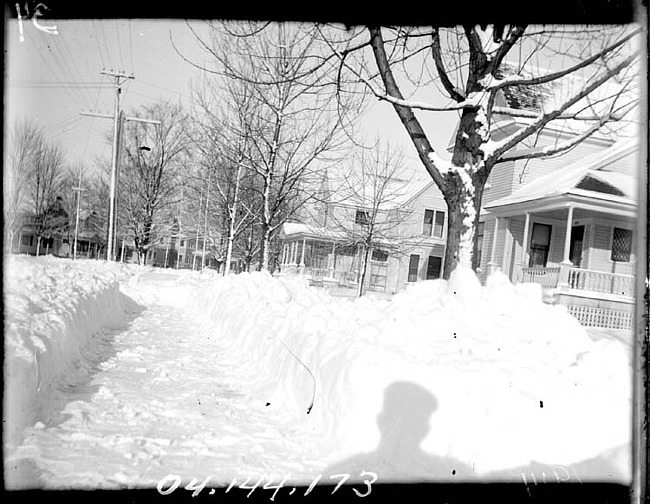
[319, 249]
[59, 241]
[182, 251]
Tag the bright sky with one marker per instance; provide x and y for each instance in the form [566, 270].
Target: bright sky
[53, 77]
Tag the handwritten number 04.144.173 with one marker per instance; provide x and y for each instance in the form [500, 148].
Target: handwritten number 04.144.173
[171, 482]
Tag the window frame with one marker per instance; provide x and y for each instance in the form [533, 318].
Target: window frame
[429, 229]
[429, 267]
[417, 270]
[365, 221]
[611, 244]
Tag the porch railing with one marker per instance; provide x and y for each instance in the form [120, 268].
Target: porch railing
[546, 277]
[598, 281]
[601, 317]
[341, 277]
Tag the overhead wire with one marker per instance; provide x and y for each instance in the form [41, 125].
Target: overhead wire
[45, 60]
[119, 45]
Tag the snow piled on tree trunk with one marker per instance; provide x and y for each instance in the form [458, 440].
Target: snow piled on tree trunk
[516, 381]
[52, 309]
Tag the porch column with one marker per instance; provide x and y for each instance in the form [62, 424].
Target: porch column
[566, 264]
[491, 264]
[567, 236]
[293, 252]
[332, 263]
[524, 242]
[301, 266]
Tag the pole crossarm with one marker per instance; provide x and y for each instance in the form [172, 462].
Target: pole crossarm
[127, 118]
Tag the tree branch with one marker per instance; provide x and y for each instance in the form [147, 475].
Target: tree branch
[410, 122]
[455, 93]
[506, 144]
[561, 73]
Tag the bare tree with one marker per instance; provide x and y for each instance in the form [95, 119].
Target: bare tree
[44, 183]
[149, 172]
[485, 74]
[224, 143]
[370, 200]
[292, 122]
[25, 141]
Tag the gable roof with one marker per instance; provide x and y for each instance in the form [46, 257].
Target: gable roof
[595, 173]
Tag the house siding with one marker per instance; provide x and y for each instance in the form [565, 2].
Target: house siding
[500, 182]
[430, 199]
[627, 164]
[525, 171]
[601, 252]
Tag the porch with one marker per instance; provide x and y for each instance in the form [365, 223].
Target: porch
[571, 279]
[324, 263]
[583, 258]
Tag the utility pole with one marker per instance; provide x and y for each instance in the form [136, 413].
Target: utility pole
[205, 226]
[76, 225]
[118, 120]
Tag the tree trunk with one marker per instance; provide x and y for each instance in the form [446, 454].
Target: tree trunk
[266, 244]
[364, 268]
[460, 229]
[233, 215]
[38, 245]
[12, 234]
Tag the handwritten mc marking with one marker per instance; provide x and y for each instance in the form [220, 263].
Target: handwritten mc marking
[558, 479]
[52, 30]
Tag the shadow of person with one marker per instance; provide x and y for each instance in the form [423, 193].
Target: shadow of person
[404, 424]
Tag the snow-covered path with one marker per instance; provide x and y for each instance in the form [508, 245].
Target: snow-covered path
[154, 396]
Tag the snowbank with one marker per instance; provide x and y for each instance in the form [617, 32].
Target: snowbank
[52, 308]
[511, 381]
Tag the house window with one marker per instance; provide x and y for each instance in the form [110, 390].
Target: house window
[182, 243]
[434, 223]
[434, 267]
[346, 250]
[414, 264]
[540, 243]
[47, 243]
[379, 255]
[479, 246]
[378, 277]
[27, 240]
[362, 217]
[621, 245]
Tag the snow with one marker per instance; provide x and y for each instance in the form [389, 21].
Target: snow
[52, 308]
[177, 372]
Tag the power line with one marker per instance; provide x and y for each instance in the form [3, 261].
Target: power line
[72, 64]
[99, 48]
[131, 45]
[47, 64]
[119, 46]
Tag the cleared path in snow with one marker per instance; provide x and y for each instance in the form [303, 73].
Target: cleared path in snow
[153, 397]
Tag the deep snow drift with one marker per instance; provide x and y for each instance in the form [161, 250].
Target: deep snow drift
[52, 307]
[447, 381]
[500, 380]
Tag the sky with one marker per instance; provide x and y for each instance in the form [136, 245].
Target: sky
[51, 78]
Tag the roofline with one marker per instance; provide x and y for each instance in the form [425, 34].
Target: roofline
[578, 198]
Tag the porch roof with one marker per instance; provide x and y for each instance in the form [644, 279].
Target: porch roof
[295, 229]
[589, 182]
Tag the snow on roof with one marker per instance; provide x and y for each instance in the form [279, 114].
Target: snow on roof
[299, 228]
[599, 166]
